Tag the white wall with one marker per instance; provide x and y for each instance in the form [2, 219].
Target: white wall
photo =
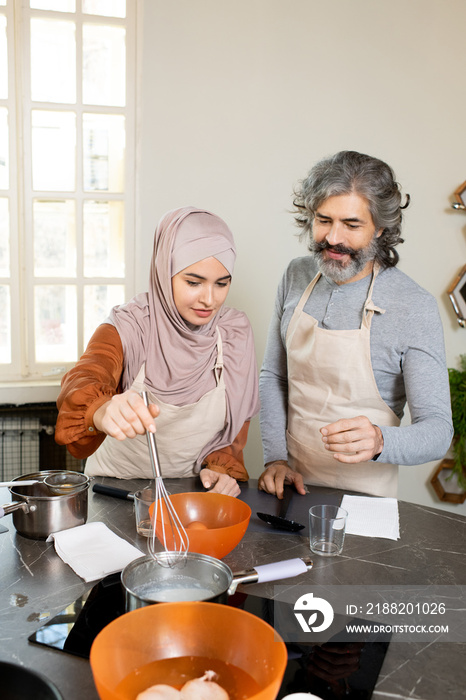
[240, 98]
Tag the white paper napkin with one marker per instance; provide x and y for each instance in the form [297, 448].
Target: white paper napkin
[93, 551]
[372, 517]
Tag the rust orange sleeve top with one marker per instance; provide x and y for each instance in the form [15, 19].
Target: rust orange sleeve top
[93, 381]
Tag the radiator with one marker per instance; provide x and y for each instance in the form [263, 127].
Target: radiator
[19, 446]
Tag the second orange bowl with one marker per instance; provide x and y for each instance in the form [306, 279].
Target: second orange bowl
[215, 523]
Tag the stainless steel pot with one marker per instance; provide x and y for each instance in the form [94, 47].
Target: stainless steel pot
[37, 511]
[200, 578]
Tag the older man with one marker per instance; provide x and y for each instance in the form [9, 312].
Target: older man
[351, 341]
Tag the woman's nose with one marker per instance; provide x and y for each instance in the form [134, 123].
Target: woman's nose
[207, 296]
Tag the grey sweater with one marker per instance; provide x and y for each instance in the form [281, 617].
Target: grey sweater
[407, 352]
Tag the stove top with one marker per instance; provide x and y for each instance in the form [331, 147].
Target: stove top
[331, 671]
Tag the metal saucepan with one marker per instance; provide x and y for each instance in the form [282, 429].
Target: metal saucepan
[38, 510]
[200, 578]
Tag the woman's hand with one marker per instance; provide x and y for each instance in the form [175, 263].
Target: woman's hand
[277, 474]
[357, 438]
[125, 416]
[219, 483]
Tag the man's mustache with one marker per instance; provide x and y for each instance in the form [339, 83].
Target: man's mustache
[341, 249]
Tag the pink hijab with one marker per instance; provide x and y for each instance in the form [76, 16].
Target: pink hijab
[179, 357]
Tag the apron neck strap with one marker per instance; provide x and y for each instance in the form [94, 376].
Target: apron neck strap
[369, 306]
[219, 363]
[307, 292]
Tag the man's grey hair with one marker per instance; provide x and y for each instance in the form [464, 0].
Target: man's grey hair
[371, 178]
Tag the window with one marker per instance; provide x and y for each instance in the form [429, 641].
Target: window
[67, 122]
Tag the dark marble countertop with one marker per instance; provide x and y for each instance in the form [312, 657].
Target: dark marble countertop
[35, 584]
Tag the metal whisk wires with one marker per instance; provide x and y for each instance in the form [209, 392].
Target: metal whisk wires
[167, 527]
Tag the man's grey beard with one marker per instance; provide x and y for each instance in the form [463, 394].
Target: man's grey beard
[334, 269]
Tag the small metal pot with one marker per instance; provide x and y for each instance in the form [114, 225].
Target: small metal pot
[37, 512]
[199, 578]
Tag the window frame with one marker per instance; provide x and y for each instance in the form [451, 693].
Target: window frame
[24, 368]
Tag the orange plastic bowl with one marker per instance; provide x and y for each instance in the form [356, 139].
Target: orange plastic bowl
[215, 523]
[174, 642]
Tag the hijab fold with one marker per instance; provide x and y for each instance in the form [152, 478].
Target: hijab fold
[179, 357]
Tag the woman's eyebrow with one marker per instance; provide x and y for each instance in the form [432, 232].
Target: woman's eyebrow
[192, 274]
[199, 277]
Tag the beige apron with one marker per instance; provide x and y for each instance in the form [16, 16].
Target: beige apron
[182, 433]
[330, 377]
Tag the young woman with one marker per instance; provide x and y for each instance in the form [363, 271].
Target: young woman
[193, 355]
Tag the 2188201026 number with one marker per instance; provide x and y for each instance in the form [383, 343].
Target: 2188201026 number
[402, 608]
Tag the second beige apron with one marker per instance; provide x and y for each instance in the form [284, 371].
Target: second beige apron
[182, 433]
[330, 377]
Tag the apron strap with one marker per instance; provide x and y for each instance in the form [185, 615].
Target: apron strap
[307, 292]
[369, 306]
[300, 305]
[218, 367]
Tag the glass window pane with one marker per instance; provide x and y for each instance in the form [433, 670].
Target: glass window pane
[3, 59]
[3, 2]
[5, 325]
[57, 5]
[104, 245]
[53, 150]
[55, 323]
[4, 150]
[104, 65]
[53, 60]
[54, 238]
[107, 8]
[4, 239]
[98, 300]
[104, 152]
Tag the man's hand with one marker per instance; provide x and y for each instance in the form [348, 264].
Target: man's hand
[125, 416]
[353, 440]
[277, 474]
[219, 483]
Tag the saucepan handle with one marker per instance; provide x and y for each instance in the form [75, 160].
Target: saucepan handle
[282, 569]
[15, 505]
[272, 572]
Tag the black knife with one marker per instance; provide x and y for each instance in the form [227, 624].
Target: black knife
[280, 521]
[113, 491]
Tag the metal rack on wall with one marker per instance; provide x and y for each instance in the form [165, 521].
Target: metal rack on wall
[27, 441]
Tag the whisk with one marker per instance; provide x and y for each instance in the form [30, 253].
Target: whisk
[166, 524]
